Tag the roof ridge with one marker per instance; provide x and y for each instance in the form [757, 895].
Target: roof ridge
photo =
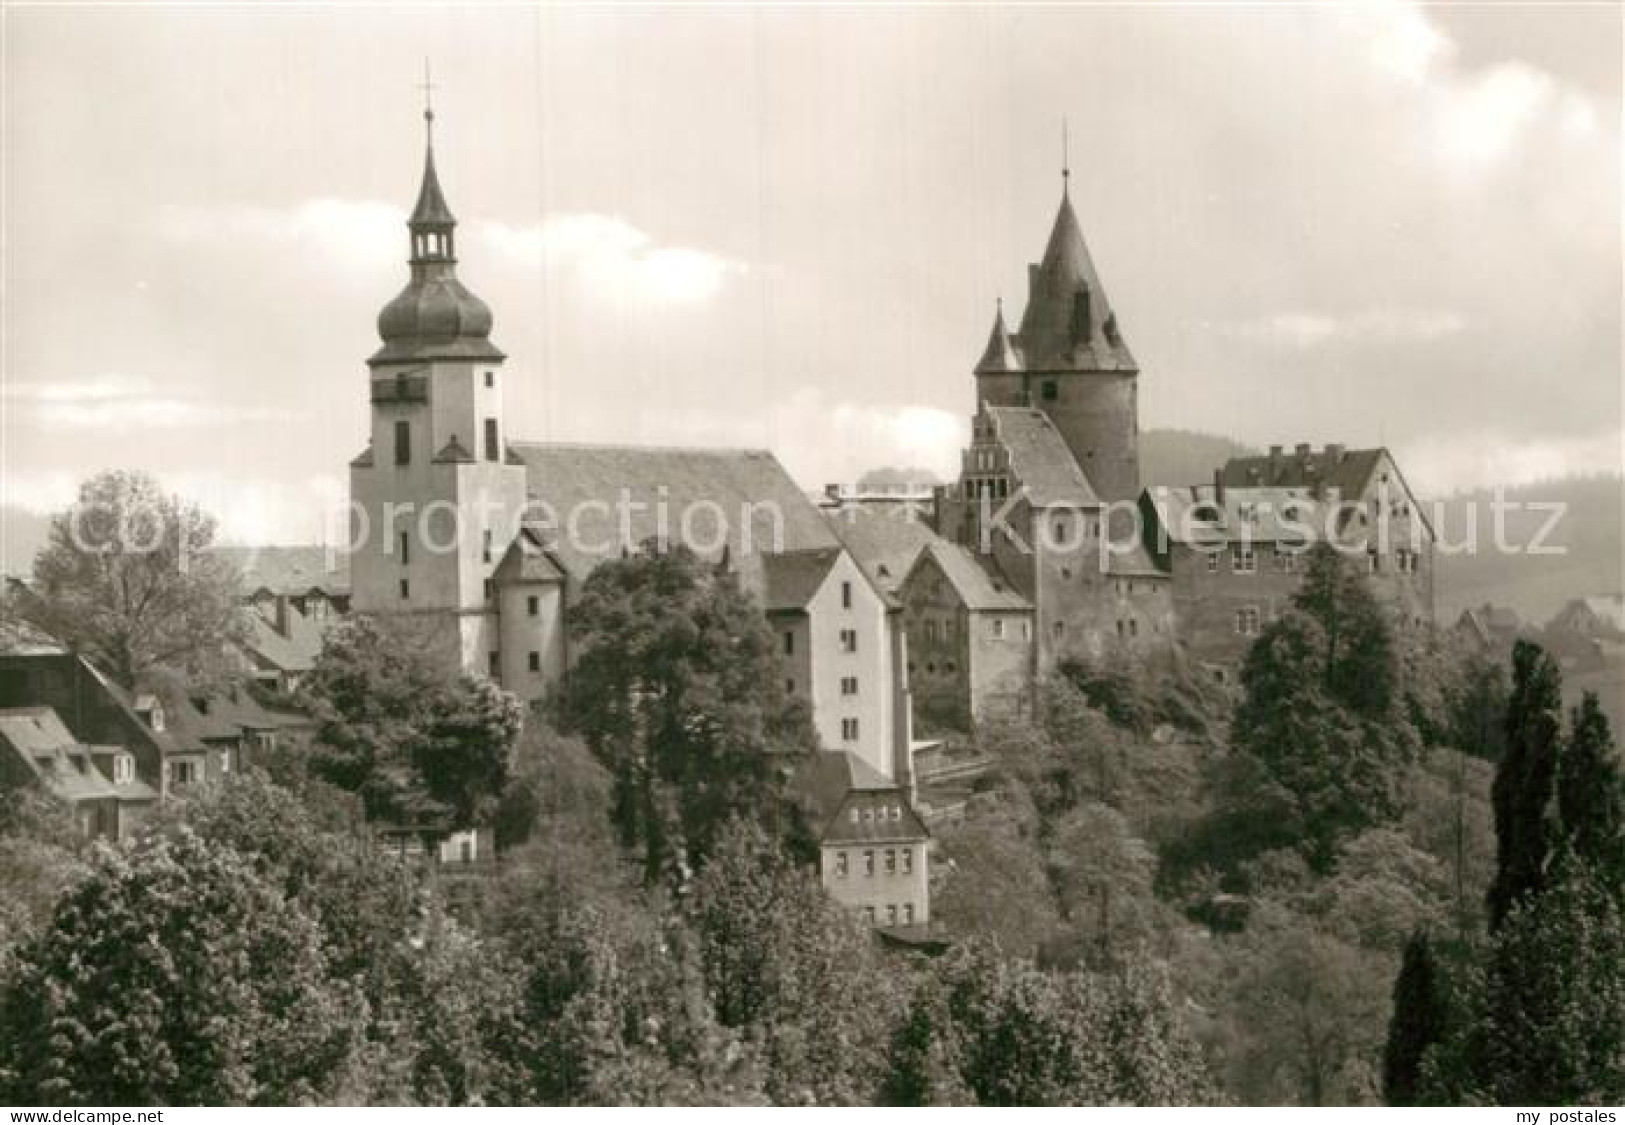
[742, 451]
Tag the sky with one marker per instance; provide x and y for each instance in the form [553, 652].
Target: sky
[787, 228]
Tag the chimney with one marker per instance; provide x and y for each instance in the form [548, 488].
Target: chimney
[1303, 450]
[832, 491]
[281, 621]
[1334, 453]
[1275, 453]
[902, 719]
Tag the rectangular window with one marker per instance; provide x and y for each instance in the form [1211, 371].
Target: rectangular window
[485, 547]
[869, 914]
[891, 861]
[406, 589]
[1247, 621]
[1059, 629]
[849, 685]
[490, 588]
[849, 730]
[846, 595]
[908, 914]
[1050, 390]
[225, 761]
[535, 662]
[891, 915]
[1242, 559]
[406, 548]
[869, 861]
[1374, 560]
[908, 861]
[403, 443]
[491, 452]
[1287, 559]
[849, 640]
[789, 687]
[1213, 562]
[493, 663]
[533, 606]
[490, 378]
[998, 628]
[840, 865]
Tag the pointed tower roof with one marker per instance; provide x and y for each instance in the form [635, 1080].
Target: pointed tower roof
[435, 316]
[431, 209]
[1000, 354]
[1069, 324]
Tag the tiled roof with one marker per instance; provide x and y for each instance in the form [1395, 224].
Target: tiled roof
[792, 579]
[884, 540]
[294, 651]
[46, 747]
[835, 783]
[290, 570]
[1347, 470]
[978, 589]
[747, 489]
[1040, 459]
[527, 560]
[1049, 337]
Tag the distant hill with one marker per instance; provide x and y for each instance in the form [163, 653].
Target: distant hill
[1589, 534]
[22, 534]
[890, 477]
[1185, 456]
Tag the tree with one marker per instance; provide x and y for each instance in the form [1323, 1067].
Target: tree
[1417, 1023]
[1591, 795]
[1523, 795]
[174, 974]
[1358, 664]
[677, 687]
[417, 744]
[127, 579]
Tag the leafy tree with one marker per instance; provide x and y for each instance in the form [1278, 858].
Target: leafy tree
[1320, 708]
[1524, 792]
[174, 974]
[677, 687]
[1591, 795]
[1551, 1028]
[1417, 1023]
[1477, 703]
[1102, 875]
[127, 578]
[418, 745]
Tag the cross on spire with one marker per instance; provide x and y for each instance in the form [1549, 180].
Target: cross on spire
[427, 86]
[1066, 160]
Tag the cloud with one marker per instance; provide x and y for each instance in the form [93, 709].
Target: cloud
[612, 257]
[1304, 330]
[125, 403]
[355, 234]
[1448, 462]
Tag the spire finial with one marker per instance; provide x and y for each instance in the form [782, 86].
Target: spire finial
[427, 87]
[1066, 158]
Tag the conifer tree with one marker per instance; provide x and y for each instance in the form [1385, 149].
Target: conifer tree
[1417, 1023]
[1591, 795]
[1525, 782]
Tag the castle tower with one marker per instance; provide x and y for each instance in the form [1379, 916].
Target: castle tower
[436, 498]
[1069, 360]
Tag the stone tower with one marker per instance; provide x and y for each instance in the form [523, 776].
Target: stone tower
[435, 498]
[1069, 360]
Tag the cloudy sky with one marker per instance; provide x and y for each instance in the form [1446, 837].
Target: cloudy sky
[787, 228]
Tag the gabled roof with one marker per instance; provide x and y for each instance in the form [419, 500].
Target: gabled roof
[793, 579]
[835, 783]
[977, 589]
[762, 511]
[1040, 459]
[1347, 470]
[527, 560]
[291, 570]
[43, 743]
[293, 651]
[884, 541]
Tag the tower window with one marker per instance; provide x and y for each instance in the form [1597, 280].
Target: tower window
[490, 378]
[403, 443]
[406, 548]
[406, 589]
[535, 662]
[493, 663]
[533, 605]
[491, 440]
[1049, 390]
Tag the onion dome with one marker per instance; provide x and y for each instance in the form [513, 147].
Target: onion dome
[435, 316]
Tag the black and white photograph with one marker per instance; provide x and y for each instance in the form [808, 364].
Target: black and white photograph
[811, 555]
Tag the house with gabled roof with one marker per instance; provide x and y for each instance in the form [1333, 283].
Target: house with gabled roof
[99, 783]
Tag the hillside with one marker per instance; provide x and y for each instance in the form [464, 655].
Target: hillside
[1184, 456]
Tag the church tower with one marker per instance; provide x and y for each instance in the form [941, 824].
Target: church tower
[1069, 360]
[436, 498]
